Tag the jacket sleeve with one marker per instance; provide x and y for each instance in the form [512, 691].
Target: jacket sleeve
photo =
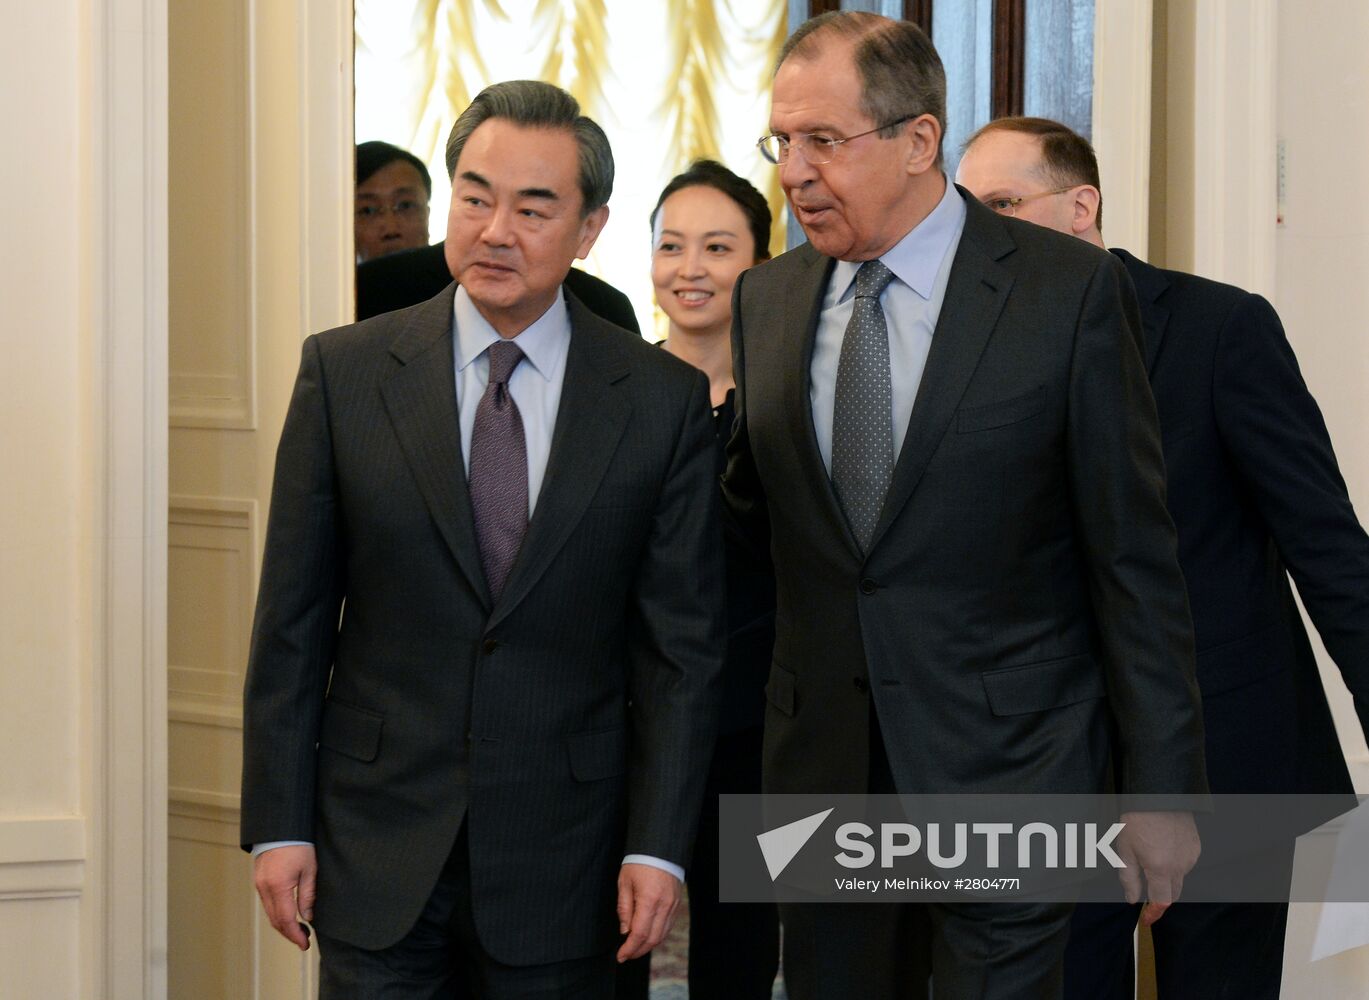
[676, 646]
[1276, 438]
[295, 630]
[1116, 471]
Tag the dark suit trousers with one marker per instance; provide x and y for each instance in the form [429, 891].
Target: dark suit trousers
[441, 958]
[970, 951]
[1203, 951]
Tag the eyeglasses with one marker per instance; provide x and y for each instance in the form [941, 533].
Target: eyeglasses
[1008, 206]
[816, 147]
[404, 208]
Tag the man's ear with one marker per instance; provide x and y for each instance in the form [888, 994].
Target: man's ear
[1086, 201]
[590, 229]
[924, 134]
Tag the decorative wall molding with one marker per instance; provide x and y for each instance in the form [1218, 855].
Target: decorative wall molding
[42, 857]
[205, 817]
[127, 92]
[1234, 135]
[327, 257]
[223, 399]
[210, 540]
[193, 710]
[1122, 51]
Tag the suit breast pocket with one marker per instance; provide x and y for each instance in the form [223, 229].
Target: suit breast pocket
[1003, 413]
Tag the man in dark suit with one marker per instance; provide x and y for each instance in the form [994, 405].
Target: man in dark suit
[413, 276]
[472, 732]
[944, 424]
[1255, 494]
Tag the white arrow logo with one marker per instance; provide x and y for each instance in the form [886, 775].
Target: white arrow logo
[781, 844]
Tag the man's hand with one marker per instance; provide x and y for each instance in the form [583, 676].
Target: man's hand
[1164, 847]
[647, 900]
[279, 874]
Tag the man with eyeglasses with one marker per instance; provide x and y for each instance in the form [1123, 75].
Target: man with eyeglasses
[1256, 494]
[945, 430]
[393, 190]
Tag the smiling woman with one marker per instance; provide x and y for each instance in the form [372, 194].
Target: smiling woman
[669, 81]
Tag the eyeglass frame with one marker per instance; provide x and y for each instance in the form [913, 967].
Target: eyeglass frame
[1011, 211]
[375, 212]
[831, 144]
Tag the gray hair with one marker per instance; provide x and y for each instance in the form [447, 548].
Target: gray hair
[541, 105]
[900, 72]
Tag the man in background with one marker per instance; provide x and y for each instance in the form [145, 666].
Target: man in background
[392, 195]
[1255, 494]
[942, 418]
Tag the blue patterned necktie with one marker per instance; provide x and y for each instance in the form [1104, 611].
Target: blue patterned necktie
[862, 413]
[499, 470]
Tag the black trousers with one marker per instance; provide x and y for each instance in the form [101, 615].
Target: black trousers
[1203, 951]
[734, 948]
[441, 958]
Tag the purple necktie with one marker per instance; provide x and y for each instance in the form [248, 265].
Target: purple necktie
[499, 470]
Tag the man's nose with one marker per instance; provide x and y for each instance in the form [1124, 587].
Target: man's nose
[796, 171]
[498, 230]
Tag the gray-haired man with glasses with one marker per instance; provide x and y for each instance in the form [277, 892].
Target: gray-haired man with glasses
[944, 427]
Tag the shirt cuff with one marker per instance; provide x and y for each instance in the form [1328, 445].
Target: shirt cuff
[647, 859]
[271, 845]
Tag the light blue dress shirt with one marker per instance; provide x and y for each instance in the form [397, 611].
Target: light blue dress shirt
[921, 263]
[535, 386]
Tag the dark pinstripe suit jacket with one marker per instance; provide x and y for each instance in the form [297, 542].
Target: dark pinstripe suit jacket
[388, 700]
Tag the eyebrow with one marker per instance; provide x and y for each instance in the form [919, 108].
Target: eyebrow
[707, 235]
[546, 194]
[808, 130]
[402, 189]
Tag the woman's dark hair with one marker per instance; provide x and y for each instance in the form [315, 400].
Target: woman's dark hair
[371, 156]
[710, 173]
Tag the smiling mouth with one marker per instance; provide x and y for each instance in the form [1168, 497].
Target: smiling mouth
[693, 295]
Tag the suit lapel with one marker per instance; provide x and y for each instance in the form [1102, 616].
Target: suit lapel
[420, 399]
[1151, 285]
[975, 292]
[590, 420]
[802, 313]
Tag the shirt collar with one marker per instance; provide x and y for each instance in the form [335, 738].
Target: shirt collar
[544, 342]
[915, 259]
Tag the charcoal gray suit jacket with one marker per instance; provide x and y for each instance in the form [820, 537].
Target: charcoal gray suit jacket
[1022, 586]
[389, 700]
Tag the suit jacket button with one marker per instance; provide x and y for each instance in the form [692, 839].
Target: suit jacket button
[868, 586]
[862, 685]
[489, 646]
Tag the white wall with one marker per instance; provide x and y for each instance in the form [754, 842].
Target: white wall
[1321, 292]
[82, 415]
[1322, 247]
